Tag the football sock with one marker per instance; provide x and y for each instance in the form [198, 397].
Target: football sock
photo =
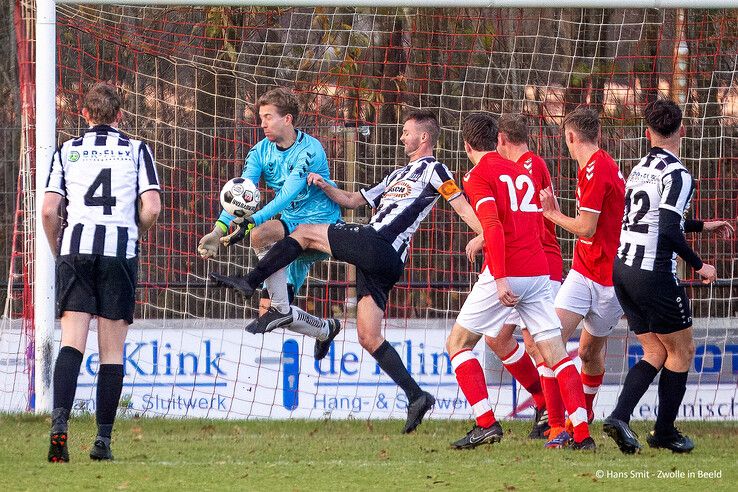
[554, 403]
[284, 252]
[521, 367]
[672, 386]
[307, 324]
[591, 384]
[109, 387]
[570, 386]
[636, 384]
[276, 285]
[66, 371]
[391, 363]
[471, 380]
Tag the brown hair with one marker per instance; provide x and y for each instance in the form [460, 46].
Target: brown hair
[585, 122]
[283, 99]
[103, 103]
[515, 126]
[479, 130]
[427, 120]
[663, 116]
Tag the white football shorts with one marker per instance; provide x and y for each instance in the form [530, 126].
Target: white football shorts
[483, 313]
[596, 302]
[514, 318]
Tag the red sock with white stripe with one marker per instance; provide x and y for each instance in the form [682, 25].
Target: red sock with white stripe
[554, 403]
[471, 380]
[520, 365]
[591, 384]
[570, 384]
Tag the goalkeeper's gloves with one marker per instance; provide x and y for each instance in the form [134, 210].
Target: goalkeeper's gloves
[243, 227]
[209, 244]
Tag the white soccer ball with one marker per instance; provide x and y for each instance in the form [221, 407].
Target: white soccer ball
[240, 197]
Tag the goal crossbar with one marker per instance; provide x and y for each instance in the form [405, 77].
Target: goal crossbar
[702, 4]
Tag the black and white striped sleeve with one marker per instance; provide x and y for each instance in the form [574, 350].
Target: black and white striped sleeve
[443, 181]
[373, 194]
[55, 182]
[677, 189]
[148, 179]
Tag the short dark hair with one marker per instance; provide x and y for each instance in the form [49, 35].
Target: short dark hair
[663, 116]
[283, 99]
[585, 122]
[515, 126]
[427, 120]
[103, 103]
[479, 130]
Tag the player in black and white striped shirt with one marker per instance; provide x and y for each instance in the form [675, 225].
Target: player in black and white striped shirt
[378, 250]
[657, 196]
[106, 186]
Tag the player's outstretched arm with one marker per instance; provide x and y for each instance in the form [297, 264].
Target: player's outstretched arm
[466, 212]
[721, 228]
[343, 198]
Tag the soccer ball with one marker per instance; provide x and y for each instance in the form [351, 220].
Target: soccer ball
[240, 197]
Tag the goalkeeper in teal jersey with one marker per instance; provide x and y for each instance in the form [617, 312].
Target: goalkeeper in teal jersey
[284, 158]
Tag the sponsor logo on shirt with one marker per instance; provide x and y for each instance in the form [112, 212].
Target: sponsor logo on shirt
[401, 189]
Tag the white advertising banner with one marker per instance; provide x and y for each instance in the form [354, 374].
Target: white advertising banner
[214, 369]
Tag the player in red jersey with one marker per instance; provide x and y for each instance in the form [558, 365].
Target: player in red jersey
[515, 274]
[588, 293]
[512, 144]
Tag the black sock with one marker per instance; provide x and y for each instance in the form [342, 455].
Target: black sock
[284, 252]
[66, 371]
[109, 387]
[639, 378]
[672, 386]
[391, 363]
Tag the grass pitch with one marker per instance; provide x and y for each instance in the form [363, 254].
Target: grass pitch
[154, 454]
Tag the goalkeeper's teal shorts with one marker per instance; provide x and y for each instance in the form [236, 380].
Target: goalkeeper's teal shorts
[298, 270]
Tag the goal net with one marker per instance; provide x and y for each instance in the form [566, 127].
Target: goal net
[190, 77]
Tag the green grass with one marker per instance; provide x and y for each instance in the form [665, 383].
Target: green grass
[153, 454]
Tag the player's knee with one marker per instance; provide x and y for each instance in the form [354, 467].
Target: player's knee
[589, 354]
[258, 238]
[683, 351]
[459, 339]
[452, 346]
[303, 234]
[369, 341]
[656, 358]
[687, 351]
[492, 343]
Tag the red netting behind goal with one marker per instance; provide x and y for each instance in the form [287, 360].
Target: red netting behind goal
[190, 77]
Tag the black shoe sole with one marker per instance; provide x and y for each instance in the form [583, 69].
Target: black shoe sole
[623, 443]
[224, 281]
[58, 452]
[658, 445]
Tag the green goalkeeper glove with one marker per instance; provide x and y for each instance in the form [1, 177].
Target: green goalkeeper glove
[242, 229]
